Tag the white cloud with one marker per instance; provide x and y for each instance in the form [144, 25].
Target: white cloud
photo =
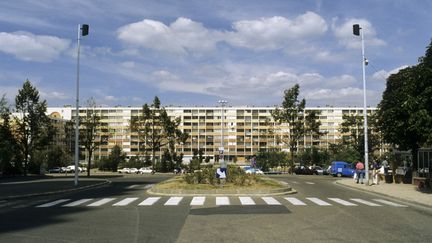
[29, 47]
[344, 33]
[276, 32]
[383, 75]
[54, 95]
[181, 36]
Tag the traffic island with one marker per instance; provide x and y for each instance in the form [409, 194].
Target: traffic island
[178, 185]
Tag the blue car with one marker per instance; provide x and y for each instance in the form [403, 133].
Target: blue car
[342, 168]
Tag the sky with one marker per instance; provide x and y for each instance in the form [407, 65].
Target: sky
[196, 52]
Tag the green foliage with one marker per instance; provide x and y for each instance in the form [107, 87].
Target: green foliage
[313, 156]
[8, 145]
[115, 158]
[33, 128]
[235, 175]
[291, 113]
[270, 159]
[405, 112]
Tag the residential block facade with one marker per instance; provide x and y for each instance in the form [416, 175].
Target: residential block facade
[246, 130]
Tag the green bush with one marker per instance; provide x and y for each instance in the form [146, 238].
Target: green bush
[235, 175]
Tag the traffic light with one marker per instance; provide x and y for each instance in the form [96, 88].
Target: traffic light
[356, 29]
[84, 29]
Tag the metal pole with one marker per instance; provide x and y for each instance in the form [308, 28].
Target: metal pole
[77, 110]
[366, 156]
[222, 157]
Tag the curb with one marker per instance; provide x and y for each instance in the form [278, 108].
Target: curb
[383, 194]
[83, 188]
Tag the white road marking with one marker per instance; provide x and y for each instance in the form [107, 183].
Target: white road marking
[365, 202]
[101, 202]
[131, 186]
[390, 203]
[125, 201]
[149, 201]
[310, 183]
[246, 201]
[52, 203]
[197, 201]
[343, 202]
[77, 203]
[148, 186]
[173, 201]
[222, 201]
[318, 201]
[295, 182]
[270, 201]
[295, 201]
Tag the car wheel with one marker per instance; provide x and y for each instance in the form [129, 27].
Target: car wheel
[339, 175]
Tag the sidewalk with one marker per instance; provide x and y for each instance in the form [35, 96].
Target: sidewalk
[404, 192]
[39, 187]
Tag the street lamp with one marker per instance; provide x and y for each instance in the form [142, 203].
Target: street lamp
[83, 30]
[357, 32]
[221, 149]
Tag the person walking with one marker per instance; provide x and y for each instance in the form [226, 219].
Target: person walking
[360, 171]
[375, 172]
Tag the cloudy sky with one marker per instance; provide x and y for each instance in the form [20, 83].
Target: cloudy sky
[196, 52]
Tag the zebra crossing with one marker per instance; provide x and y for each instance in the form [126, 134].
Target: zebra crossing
[219, 201]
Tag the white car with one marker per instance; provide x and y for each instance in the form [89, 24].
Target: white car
[71, 168]
[254, 171]
[124, 170]
[145, 170]
[133, 171]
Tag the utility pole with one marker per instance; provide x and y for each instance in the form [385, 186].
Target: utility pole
[221, 149]
[356, 31]
[83, 30]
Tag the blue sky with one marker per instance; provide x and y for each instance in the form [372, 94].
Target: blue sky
[196, 52]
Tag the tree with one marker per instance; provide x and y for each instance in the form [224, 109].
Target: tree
[141, 126]
[8, 145]
[405, 112]
[291, 113]
[90, 135]
[115, 158]
[33, 128]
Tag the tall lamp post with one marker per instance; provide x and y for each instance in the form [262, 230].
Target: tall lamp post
[83, 30]
[357, 32]
[221, 149]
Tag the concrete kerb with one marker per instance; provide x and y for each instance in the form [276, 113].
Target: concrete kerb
[82, 188]
[382, 194]
[223, 192]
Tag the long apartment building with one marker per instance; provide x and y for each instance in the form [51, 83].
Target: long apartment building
[246, 130]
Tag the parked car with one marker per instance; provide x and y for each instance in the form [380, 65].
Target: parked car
[124, 170]
[342, 168]
[304, 170]
[145, 170]
[319, 170]
[254, 171]
[56, 170]
[71, 169]
[133, 171]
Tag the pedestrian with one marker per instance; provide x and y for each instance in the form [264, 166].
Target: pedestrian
[375, 173]
[385, 165]
[360, 172]
[253, 161]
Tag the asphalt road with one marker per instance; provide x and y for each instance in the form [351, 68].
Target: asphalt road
[122, 219]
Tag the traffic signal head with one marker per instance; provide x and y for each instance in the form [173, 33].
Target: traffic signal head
[84, 29]
[356, 29]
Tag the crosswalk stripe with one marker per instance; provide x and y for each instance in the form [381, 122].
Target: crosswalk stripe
[52, 203]
[77, 203]
[125, 201]
[390, 203]
[295, 201]
[222, 201]
[131, 186]
[246, 201]
[343, 202]
[310, 183]
[197, 201]
[101, 202]
[318, 201]
[172, 201]
[271, 201]
[365, 202]
[149, 201]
